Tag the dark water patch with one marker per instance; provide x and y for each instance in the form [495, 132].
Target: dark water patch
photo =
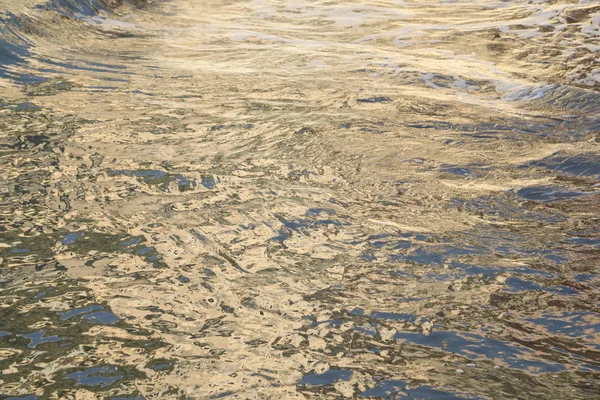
[45, 346]
[132, 241]
[72, 237]
[79, 8]
[366, 330]
[505, 206]
[14, 47]
[357, 312]
[162, 365]
[473, 171]
[48, 87]
[304, 225]
[32, 142]
[576, 165]
[104, 244]
[98, 376]
[419, 253]
[216, 128]
[461, 171]
[586, 277]
[24, 79]
[432, 393]
[39, 337]
[327, 378]
[378, 99]
[146, 175]
[365, 256]
[307, 130]
[548, 194]
[576, 325]
[99, 241]
[438, 126]
[438, 81]
[476, 347]
[26, 107]
[102, 88]
[515, 284]
[562, 290]
[128, 398]
[112, 79]
[571, 99]
[400, 240]
[369, 130]
[209, 182]
[20, 251]
[141, 92]
[366, 126]
[329, 322]
[26, 276]
[267, 377]
[505, 242]
[396, 388]
[220, 127]
[583, 241]
[102, 318]
[75, 67]
[222, 395]
[300, 173]
[146, 250]
[162, 179]
[496, 129]
[80, 311]
[548, 129]
[312, 212]
[29, 397]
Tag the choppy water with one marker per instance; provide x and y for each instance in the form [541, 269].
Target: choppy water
[268, 199]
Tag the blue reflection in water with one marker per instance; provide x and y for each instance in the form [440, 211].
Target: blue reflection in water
[327, 378]
[97, 376]
[475, 346]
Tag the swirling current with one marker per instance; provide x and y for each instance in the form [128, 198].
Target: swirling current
[299, 199]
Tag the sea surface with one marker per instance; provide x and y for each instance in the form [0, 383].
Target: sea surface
[299, 199]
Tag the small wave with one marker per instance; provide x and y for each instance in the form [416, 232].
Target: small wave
[562, 97]
[14, 47]
[78, 8]
[21, 32]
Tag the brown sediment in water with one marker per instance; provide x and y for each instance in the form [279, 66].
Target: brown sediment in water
[307, 199]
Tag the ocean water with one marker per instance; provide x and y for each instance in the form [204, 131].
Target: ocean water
[268, 199]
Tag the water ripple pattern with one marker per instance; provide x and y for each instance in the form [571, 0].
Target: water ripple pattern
[300, 199]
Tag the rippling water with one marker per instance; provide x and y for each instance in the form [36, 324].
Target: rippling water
[268, 199]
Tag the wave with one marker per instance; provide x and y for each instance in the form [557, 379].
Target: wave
[19, 31]
[80, 8]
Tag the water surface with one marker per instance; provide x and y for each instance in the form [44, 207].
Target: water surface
[299, 199]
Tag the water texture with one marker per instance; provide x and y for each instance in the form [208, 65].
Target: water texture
[303, 199]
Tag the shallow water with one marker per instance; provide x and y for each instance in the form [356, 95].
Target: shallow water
[299, 199]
